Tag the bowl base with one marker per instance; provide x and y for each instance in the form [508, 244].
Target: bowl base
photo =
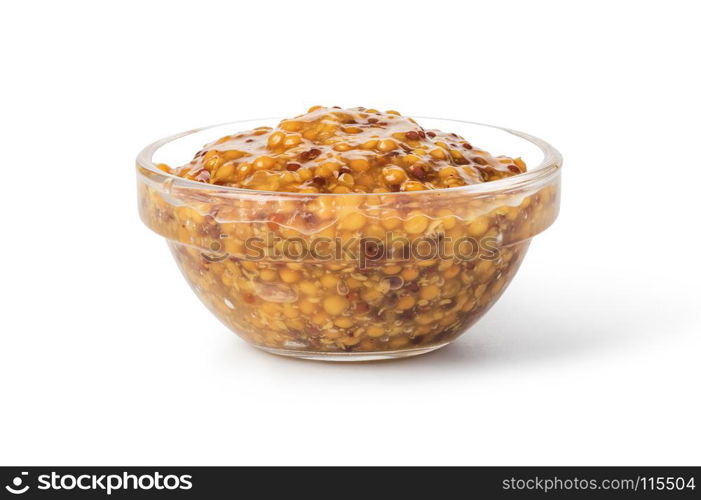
[351, 356]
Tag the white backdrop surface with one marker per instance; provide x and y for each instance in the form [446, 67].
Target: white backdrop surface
[590, 357]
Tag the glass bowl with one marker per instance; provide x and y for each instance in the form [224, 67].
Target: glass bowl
[350, 277]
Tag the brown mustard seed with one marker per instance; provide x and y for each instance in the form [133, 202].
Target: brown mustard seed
[361, 307]
[309, 217]
[418, 172]
[309, 155]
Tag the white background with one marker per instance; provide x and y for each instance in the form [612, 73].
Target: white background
[590, 357]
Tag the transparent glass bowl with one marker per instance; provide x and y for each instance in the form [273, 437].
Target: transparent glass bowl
[350, 277]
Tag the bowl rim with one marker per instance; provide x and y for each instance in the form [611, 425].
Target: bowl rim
[546, 170]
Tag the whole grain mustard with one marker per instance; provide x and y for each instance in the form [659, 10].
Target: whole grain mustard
[422, 267]
[331, 150]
